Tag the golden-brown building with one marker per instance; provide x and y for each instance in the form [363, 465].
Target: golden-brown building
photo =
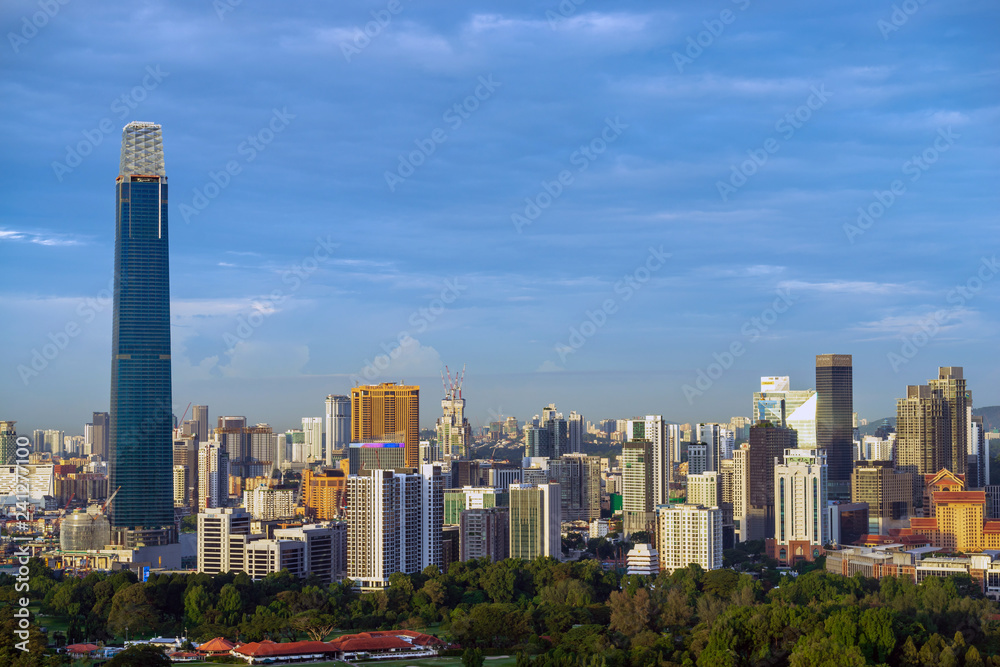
[958, 517]
[324, 493]
[387, 412]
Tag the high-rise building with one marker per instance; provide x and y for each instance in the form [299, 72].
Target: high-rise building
[802, 525]
[978, 476]
[324, 494]
[689, 534]
[637, 486]
[140, 456]
[485, 533]
[8, 443]
[923, 432]
[394, 524]
[313, 429]
[231, 422]
[38, 438]
[537, 442]
[835, 419]
[704, 489]
[767, 447]
[697, 458]
[387, 412]
[653, 429]
[454, 434]
[199, 413]
[535, 521]
[471, 497]
[186, 457]
[558, 430]
[222, 533]
[180, 486]
[268, 504]
[54, 440]
[337, 431]
[740, 491]
[213, 476]
[887, 492]
[950, 385]
[579, 478]
[101, 434]
[375, 456]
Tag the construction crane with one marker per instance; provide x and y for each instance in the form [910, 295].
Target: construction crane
[104, 507]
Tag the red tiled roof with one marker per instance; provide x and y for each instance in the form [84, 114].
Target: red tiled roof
[81, 648]
[268, 648]
[217, 644]
[923, 523]
[959, 497]
[991, 527]
[349, 643]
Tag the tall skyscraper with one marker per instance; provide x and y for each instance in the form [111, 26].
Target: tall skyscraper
[387, 412]
[338, 425]
[213, 476]
[923, 433]
[978, 454]
[200, 414]
[767, 447]
[140, 457]
[835, 419]
[577, 427]
[801, 527]
[950, 385]
[313, 428]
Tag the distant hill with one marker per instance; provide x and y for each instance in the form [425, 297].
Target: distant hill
[990, 415]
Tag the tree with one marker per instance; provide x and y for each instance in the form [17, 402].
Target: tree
[315, 624]
[140, 655]
[631, 614]
[472, 657]
[130, 608]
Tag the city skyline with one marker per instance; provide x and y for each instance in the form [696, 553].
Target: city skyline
[638, 275]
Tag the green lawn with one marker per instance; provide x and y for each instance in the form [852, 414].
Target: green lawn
[491, 661]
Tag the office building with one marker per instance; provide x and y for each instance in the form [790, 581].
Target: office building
[535, 521]
[312, 427]
[231, 422]
[484, 533]
[708, 435]
[653, 429]
[558, 429]
[8, 443]
[471, 497]
[579, 478]
[199, 414]
[394, 524]
[835, 419]
[101, 434]
[675, 444]
[141, 420]
[501, 478]
[375, 456]
[576, 427]
[848, 522]
[324, 548]
[338, 425]
[221, 532]
[213, 476]
[889, 494]
[689, 534]
[697, 458]
[180, 486]
[186, 456]
[767, 447]
[950, 385]
[637, 486]
[537, 442]
[802, 525]
[324, 493]
[387, 412]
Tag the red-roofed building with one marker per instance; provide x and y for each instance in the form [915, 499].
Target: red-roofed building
[80, 651]
[217, 646]
[386, 644]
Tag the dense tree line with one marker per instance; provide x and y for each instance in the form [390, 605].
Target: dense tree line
[553, 614]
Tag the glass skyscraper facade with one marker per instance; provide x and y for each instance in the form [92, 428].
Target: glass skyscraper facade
[835, 419]
[141, 457]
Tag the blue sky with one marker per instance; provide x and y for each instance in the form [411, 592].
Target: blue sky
[586, 204]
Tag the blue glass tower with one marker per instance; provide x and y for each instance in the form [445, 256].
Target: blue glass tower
[141, 456]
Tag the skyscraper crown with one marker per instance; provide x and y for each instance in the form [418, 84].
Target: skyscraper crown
[142, 150]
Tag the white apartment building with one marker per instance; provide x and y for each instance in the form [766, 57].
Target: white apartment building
[800, 498]
[689, 534]
[269, 504]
